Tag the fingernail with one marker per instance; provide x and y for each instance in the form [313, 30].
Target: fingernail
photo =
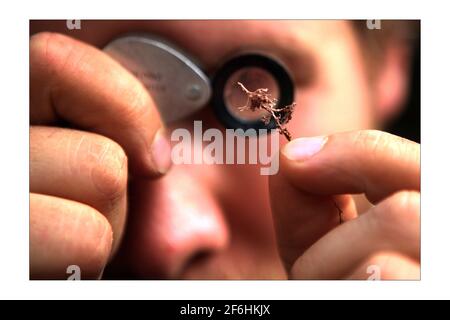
[302, 149]
[160, 151]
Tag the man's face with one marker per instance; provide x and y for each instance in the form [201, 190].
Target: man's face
[214, 221]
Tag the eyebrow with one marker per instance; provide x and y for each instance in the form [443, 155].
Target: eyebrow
[298, 61]
[289, 49]
[286, 45]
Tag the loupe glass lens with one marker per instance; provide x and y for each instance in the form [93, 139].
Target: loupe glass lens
[252, 78]
[254, 71]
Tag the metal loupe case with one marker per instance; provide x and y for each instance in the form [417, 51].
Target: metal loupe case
[177, 85]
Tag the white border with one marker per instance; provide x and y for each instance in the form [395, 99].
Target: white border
[14, 156]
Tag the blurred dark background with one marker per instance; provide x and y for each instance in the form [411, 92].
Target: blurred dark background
[407, 124]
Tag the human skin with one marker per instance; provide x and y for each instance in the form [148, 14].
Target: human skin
[208, 221]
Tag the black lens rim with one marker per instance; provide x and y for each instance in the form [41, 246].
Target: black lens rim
[271, 65]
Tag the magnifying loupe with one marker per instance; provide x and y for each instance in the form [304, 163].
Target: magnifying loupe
[180, 88]
[255, 71]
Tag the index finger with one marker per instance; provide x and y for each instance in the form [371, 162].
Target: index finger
[73, 82]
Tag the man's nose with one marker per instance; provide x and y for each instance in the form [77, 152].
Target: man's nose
[172, 221]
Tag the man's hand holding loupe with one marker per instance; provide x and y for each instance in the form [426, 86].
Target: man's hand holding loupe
[78, 178]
